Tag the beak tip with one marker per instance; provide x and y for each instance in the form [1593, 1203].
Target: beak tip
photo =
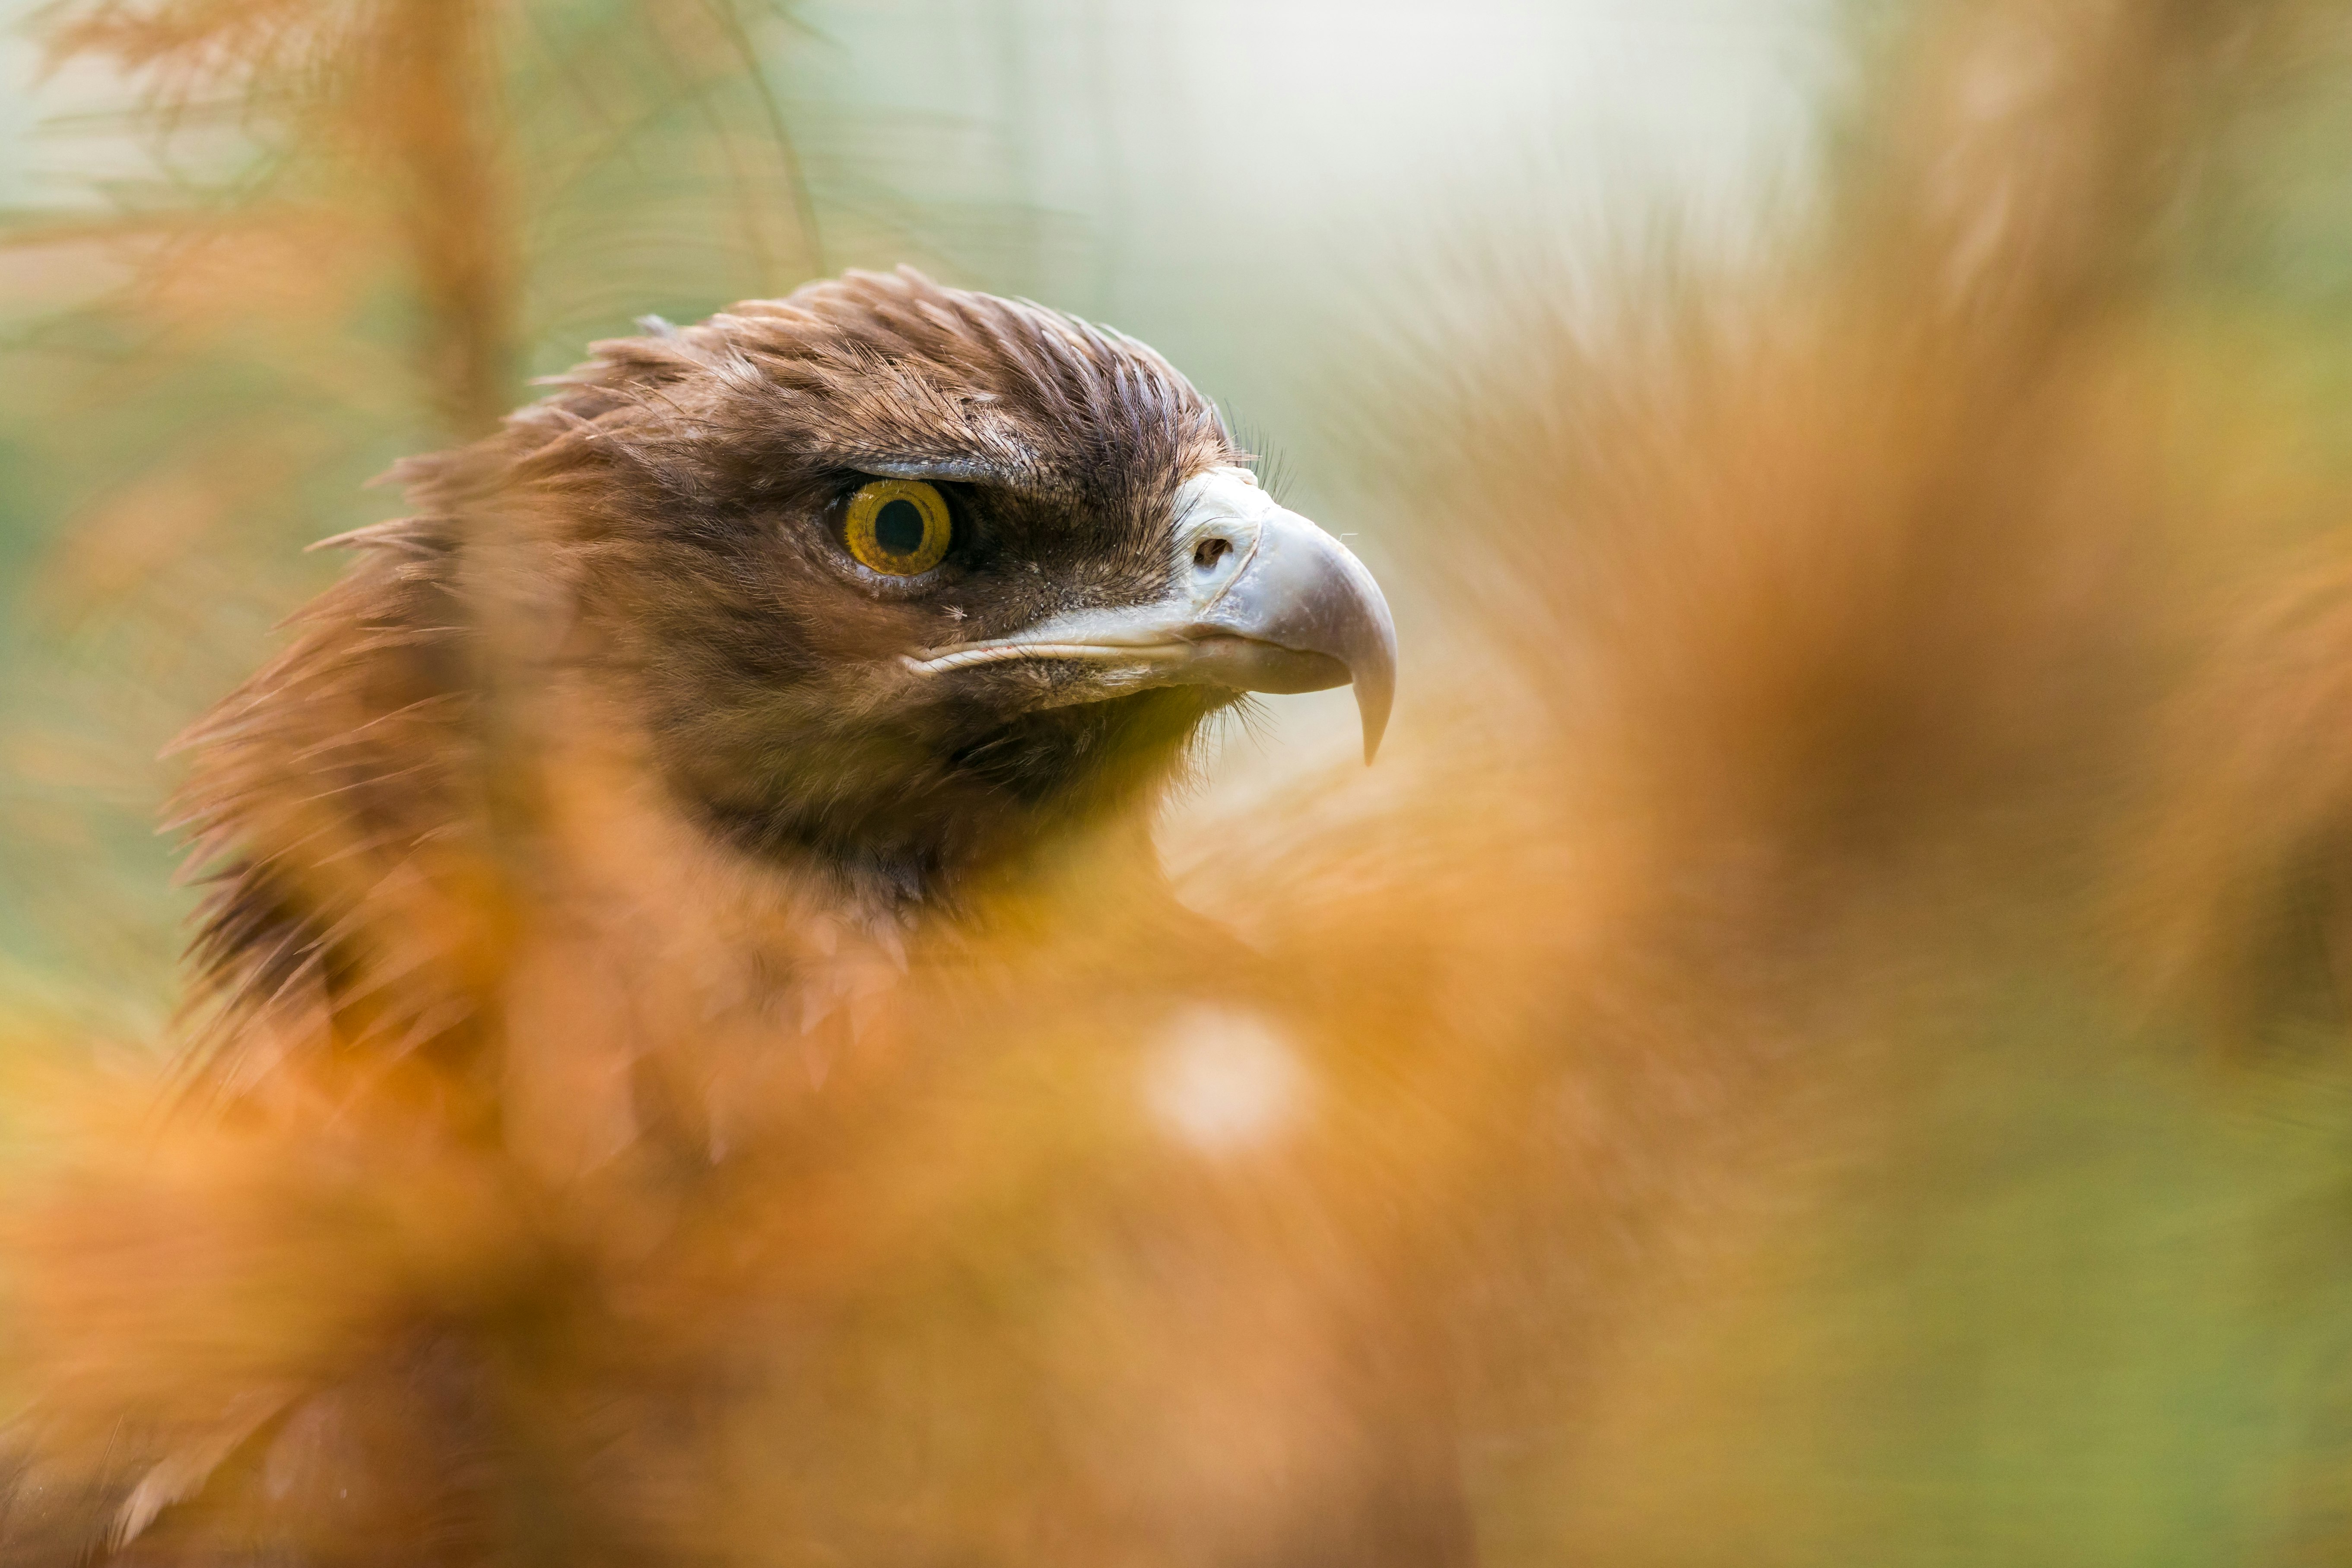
[1373, 699]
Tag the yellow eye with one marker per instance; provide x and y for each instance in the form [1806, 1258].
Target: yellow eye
[899, 527]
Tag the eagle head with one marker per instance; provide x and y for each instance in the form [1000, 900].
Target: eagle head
[900, 576]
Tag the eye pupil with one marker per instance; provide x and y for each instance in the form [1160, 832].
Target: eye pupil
[898, 528]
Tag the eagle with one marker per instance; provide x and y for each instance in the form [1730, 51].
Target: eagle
[847, 601]
[759, 659]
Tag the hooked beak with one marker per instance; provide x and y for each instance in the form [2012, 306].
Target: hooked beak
[1263, 601]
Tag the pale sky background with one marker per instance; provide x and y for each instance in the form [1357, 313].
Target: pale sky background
[1256, 151]
[1210, 174]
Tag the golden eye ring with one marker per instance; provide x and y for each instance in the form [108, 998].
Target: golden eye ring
[899, 528]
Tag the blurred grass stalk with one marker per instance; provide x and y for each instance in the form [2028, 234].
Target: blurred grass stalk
[1706, 1038]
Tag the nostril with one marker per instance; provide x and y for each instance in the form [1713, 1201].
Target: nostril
[1209, 551]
